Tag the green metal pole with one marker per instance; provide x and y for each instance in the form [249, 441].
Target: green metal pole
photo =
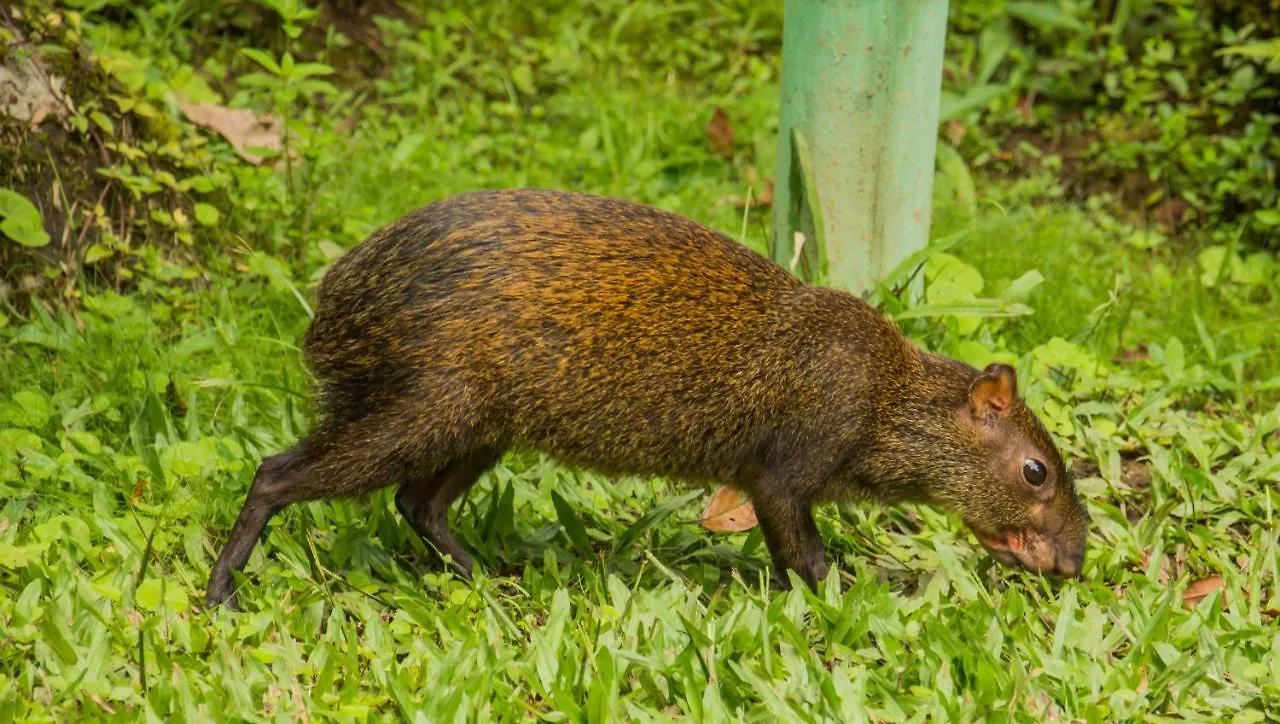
[861, 82]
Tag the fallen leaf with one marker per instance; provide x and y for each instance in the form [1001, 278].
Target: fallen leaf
[1197, 591]
[766, 196]
[1026, 107]
[242, 128]
[728, 511]
[1133, 354]
[1169, 214]
[29, 93]
[720, 134]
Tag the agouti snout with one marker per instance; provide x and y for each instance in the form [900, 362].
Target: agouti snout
[626, 339]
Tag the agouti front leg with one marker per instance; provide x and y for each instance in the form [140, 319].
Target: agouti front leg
[786, 519]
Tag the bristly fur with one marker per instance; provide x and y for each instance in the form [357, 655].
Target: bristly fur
[623, 338]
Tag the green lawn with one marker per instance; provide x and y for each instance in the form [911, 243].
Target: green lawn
[130, 429]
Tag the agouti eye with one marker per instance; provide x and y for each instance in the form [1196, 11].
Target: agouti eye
[1033, 471]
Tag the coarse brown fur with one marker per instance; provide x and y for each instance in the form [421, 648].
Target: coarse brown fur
[626, 339]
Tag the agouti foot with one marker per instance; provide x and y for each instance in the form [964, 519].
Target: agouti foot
[221, 594]
[779, 583]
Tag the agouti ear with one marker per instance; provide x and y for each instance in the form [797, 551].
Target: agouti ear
[991, 393]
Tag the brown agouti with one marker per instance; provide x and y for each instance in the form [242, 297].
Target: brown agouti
[629, 340]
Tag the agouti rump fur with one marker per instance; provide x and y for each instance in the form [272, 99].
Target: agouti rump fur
[629, 340]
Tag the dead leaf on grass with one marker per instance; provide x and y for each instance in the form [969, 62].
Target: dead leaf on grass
[136, 496]
[1170, 213]
[1133, 354]
[29, 93]
[242, 128]
[1197, 591]
[728, 511]
[720, 134]
[1026, 107]
[766, 196]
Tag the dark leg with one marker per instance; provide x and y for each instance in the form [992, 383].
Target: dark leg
[333, 461]
[792, 538]
[272, 489]
[424, 501]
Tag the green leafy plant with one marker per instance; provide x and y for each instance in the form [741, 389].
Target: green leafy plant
[20, 220]
[1268, 50]
[1155, 105]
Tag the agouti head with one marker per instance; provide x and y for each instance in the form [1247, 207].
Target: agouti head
[1011, 487]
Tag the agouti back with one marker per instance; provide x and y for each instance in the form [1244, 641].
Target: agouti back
[630, 340]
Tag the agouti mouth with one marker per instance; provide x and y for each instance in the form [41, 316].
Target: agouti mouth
[1029, 549]
[999, 550]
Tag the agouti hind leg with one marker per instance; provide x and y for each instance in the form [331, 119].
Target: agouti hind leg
[424, 502]
[335, 460]
[271, 491]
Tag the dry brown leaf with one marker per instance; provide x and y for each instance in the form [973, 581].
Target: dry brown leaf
[728, 511]
[1026, 107]
[242, 128]
[1133, 354]
[1197, 591]
[29, 93]
[766, 196]
[138, 487]
[720, 134]
[1170, 213]
[955, 132]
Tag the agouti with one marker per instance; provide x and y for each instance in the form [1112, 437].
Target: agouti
[629, 340]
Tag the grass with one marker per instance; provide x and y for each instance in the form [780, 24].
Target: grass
[130, 430]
